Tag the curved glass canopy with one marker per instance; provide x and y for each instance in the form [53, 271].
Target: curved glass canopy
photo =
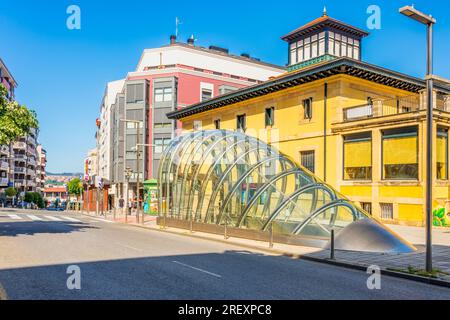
[224, 177]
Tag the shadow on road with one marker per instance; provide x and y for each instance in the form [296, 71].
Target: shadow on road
[14, 229]
[218, 276]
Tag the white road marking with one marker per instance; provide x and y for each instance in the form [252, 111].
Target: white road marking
[130, 247]
[103, 220]
[52, 218]
[14, 217]
[70, 219]
[34, 218]
[197, 269]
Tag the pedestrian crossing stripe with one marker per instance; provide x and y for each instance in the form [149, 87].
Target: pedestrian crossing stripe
[34, 218]
[52, 218]
[70, 219]
[42, 218]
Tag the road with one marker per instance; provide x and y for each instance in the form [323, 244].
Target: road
[125, 262]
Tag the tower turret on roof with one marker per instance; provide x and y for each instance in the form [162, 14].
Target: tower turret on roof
[321, 40]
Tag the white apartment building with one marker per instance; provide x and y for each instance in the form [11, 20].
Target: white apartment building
[104, 130]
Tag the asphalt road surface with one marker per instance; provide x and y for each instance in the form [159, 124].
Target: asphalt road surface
[125, 262]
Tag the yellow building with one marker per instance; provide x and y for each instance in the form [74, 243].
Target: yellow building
[357, 126]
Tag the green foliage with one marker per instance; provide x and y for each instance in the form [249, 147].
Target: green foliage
[28, 197]
[75, 187]
[36, 198]
[439, 217]
[15, 120]
[11, 192]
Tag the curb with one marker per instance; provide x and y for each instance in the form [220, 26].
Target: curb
[306, 257]
[386, 272]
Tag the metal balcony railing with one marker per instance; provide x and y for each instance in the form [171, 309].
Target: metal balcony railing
[443, 102]
[380, 108]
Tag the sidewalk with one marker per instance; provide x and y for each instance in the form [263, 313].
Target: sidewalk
[391, 264]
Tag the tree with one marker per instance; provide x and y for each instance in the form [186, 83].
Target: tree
[15, 120]
[38, 200]
[29, 197]
[75, 187]
[11, 192]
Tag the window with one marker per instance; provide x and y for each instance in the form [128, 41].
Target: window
[161, 144]
[217, 124]
[206, 94]
[358, 157]
[270, 117]
[387, 211]
[135, 93]
[367, 207]
[241, 122]
[442, 154]
[163, 94]
[307, 109]
[308, 160]
[343, 46]
[400, 154]
[162, 125]
[226, 89]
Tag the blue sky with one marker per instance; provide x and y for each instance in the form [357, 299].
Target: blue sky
[62, 73]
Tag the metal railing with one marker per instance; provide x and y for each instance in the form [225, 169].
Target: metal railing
[380, 108]
[443, 102]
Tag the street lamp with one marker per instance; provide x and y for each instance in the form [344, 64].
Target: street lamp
[136, 149]
[128, 173]
[138, 180]
[429, 21]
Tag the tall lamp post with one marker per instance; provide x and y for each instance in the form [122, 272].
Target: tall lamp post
[429, 21]
[137, 151]
[138, 180]
[128, 173]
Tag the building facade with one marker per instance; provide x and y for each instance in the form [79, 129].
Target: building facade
[21, 163]
[359, 127]
[41, 176]
[166, 79]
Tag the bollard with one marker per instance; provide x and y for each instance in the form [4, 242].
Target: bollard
[226, 229]
[332, 245]
[271, 235]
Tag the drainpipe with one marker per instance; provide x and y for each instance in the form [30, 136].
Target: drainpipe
[325, 98]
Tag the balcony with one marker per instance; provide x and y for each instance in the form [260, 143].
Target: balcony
[4, 165]
[19, 182]
[31, 150]
[31, 162]
[19, 170]
[31, 183]
[19, 145]
[390, 107]
[382, 108]
[4, 182]
[4, 150]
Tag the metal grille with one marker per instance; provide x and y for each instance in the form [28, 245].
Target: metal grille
[387, 211]
[367, 207]
[308, 160]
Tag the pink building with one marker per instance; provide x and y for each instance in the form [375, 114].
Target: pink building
[167, 79]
